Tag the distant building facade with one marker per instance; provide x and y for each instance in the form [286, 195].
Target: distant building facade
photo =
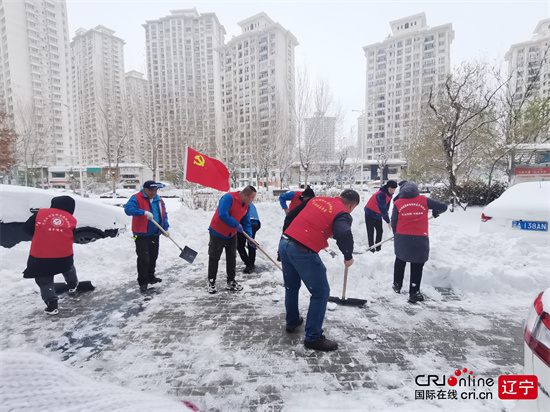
[137, 104]
[320, 131]
[401, 70]
[34, 45]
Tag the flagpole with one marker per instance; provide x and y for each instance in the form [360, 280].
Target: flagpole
[185, 173]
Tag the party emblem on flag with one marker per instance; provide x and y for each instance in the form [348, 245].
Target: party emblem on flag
[206, 171]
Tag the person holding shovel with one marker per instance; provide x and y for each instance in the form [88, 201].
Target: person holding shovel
[376, 209]
[144, 207]
[305, 237]
[232, 216]
[411, 242]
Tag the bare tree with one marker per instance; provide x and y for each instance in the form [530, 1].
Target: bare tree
[8, 137]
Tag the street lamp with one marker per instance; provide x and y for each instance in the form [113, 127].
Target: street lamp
[361, 134]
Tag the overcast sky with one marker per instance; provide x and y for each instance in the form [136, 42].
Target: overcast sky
[331, 34]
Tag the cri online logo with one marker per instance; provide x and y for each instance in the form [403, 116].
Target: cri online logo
[462, 378]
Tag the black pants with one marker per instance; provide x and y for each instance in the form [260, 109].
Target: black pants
[416, 274]
[147, 250]
[250, 258]
[373, 224]
[215, 248]
[47, 286]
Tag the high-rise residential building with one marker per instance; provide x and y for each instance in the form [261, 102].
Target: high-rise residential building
[137, 104]
[183, 70]
[529, 64]
[321, 130]
[401, 70]
[34, 63]
[257, 90]
[100, 121]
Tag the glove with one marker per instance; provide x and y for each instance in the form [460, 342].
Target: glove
[149, 215]
[166, 233]
[239, 228]
[252, 244]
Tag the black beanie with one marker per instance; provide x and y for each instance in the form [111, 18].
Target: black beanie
[392, 184]
[65, 203]
[308, 192]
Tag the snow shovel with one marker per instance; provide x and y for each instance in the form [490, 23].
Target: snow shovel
[84, 286]
[258, 246]
[187, 253]
[347, 301]
[390, 238]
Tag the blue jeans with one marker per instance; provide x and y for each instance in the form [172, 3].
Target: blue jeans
[307, 267]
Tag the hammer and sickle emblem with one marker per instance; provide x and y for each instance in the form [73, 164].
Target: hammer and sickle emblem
[199, 160]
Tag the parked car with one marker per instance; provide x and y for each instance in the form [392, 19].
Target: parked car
[536, 343]
[95, 220]
[522, 210]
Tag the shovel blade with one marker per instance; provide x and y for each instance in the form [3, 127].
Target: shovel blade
[188, 254]
[348, 301]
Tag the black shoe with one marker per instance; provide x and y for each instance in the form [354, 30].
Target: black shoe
[233, 286]
[153, 280]
[373, 250]
[142, 288]
[322, 344]
[52, 307]
[211, 286]
[293, 328]
[249, 269]
[396, 287]
[416, 297]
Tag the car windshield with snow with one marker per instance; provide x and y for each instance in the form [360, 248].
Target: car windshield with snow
[95, 220]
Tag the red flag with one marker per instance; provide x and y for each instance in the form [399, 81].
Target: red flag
[206, 171]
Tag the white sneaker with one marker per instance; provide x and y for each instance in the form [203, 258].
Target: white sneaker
[211, 286]
[233, 286]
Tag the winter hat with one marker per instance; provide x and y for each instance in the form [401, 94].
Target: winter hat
[392, 184]
[152, 185]
[65, 203]
[308, 192]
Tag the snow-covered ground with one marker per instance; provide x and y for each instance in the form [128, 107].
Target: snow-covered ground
[489, 272]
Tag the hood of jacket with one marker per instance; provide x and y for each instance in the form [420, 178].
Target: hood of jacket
[65, 203]
[408, 190]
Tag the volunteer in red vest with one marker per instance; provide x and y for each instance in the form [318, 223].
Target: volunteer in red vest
[52, 232]
[232, 216]
[144, 207]
[377, 209]
[321, 218]
[294, 197]
[411, 242]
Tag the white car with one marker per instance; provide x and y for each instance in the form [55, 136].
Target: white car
[523, 210]
[536, 338]
[95, 220]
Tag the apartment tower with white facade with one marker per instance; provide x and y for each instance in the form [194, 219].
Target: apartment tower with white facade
[100, 121]
[137, 106]
[401, 70]
[183, 72]
[322, 131]
[34, 78]
[529, 64]
[257, 91]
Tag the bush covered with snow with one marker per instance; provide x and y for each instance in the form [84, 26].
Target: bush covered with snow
[472, 193]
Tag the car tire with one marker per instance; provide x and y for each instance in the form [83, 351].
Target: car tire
[87, 235]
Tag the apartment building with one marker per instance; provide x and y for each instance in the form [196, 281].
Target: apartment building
[257, 91]
[34, 62]
[529, 63]
[401, 70]
[137, 106]
[99, 122]
[183, 72]
[320, 131]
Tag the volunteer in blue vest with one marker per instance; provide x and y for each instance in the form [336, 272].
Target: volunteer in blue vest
[294, 197]
[321, 218]
[376, 209]
[249, 258]
[232, 216]
[52, 232]
[144, 207]
[411, 242]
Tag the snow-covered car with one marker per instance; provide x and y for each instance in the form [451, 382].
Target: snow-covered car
[536, 338]
[523, 210]
[95, 220]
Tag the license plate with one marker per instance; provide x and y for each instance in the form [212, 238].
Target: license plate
[527, 225]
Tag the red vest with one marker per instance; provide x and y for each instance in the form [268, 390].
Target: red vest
[413, 216]
[139, 223]
[53, 234]
[372, 204]
[237, 212]
[313, 226]
[295, 200]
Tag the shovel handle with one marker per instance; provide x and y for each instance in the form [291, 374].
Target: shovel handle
[166, 234]
[345, 283]
[258, 246]
[384, 241]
